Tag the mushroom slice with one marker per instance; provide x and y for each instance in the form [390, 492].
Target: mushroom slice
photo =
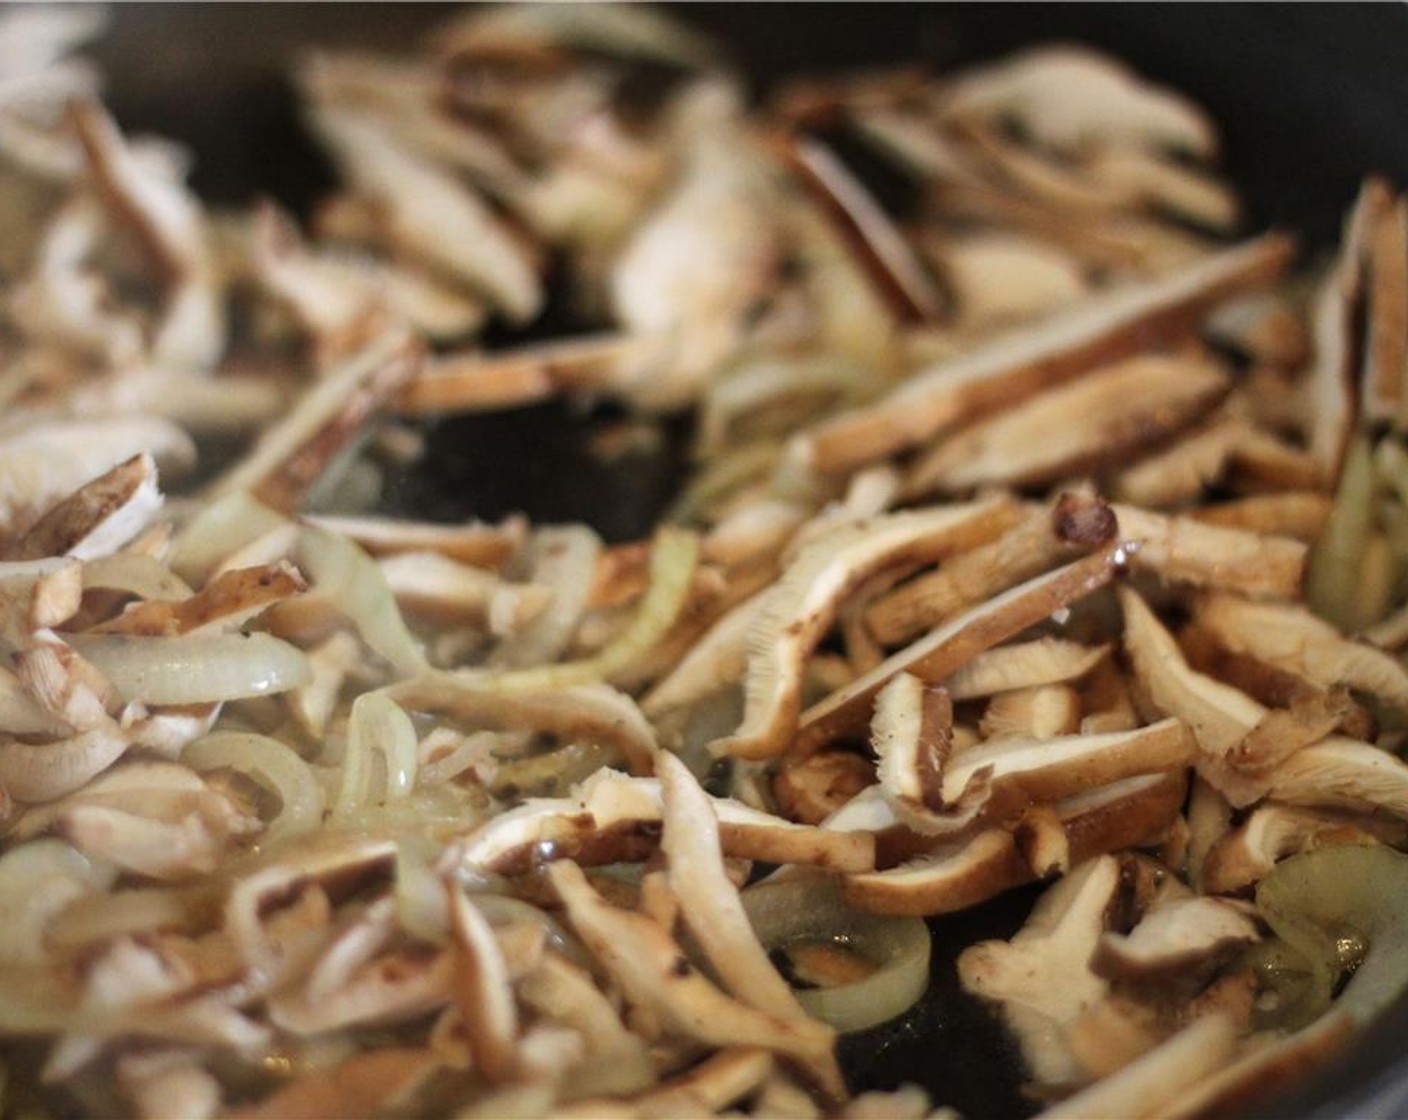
[1003, 277]
[1101, 418]
[1068, 98]
[1343, 773]
[1385, 355]
[1181, 939]
[709, 901]
[482, 990]
[1184, 551]
[1266, 328]
[475, 543]
[98, 518]
[1298, 514]
[796, 614]
[880, 248]
[1038, 541]
[1165, 187]
[957, 874]
[1336, 772]
[1042, 978]
[33, 479]
[1158, 1080]
[1292, 638]
[950, 647]
[911, 734]
[594, 712]
[38, 595]
[1272, 832]
[475, 382]
[1180, 473]
[395, 987]
[612, 818]
[168, 222]
[432, 585]
[717, 659]
[1047, 769]
[655, 975]
[1336, 313]
[291, 455]
[1018, 363]
[1022, 665]
[430, 215]
[225, 604]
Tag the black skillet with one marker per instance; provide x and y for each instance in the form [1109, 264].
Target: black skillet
[1310, 98]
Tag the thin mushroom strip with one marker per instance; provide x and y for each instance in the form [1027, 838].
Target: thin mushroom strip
[1049, 535]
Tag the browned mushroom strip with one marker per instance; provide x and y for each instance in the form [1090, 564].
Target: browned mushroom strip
[226, 603]
[880, 247]
[1292, 638]
[796, 614]
[1175, 938]
[654, 974]
[1099, 419]
[478, 382]
[1023, 665]
[959, 874]
[291, 454]
[953, 645]
[911, 734]
[96, 519]
[1272, 832]
[482, 989]
[1047, 769]
[1021, 362]
[1037, 542]
[357, 1088]
[1182, 550]
[1386, 293]
[709, 902]
[1299, 515]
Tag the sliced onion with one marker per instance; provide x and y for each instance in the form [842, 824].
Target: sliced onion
[380, 761]
[420, 896]
[37, 881]
[565, 563]
[196, 669]
[103, 917]
[811, 909]
[346, 576]
[276, 767]
[672, 560]
[1333, 910]
[135, 574]
[218, 531]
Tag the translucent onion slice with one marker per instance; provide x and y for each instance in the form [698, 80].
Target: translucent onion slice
[811, 909]
[196, 669]
[274, 766]
[380, 762]
[1335, 910]
[348, 577]
[673, 556]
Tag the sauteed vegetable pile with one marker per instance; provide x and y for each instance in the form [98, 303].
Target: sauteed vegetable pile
[1051, 529]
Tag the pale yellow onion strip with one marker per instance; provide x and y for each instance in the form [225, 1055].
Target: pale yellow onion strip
[143, 576]
[196, 669]
[275, 766]
[709, 901]
[811, 909]
[346, 576]
[673, 557]
[564, 561]
[377, 729]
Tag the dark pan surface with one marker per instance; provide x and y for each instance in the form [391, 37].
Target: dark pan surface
[1310, 97]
